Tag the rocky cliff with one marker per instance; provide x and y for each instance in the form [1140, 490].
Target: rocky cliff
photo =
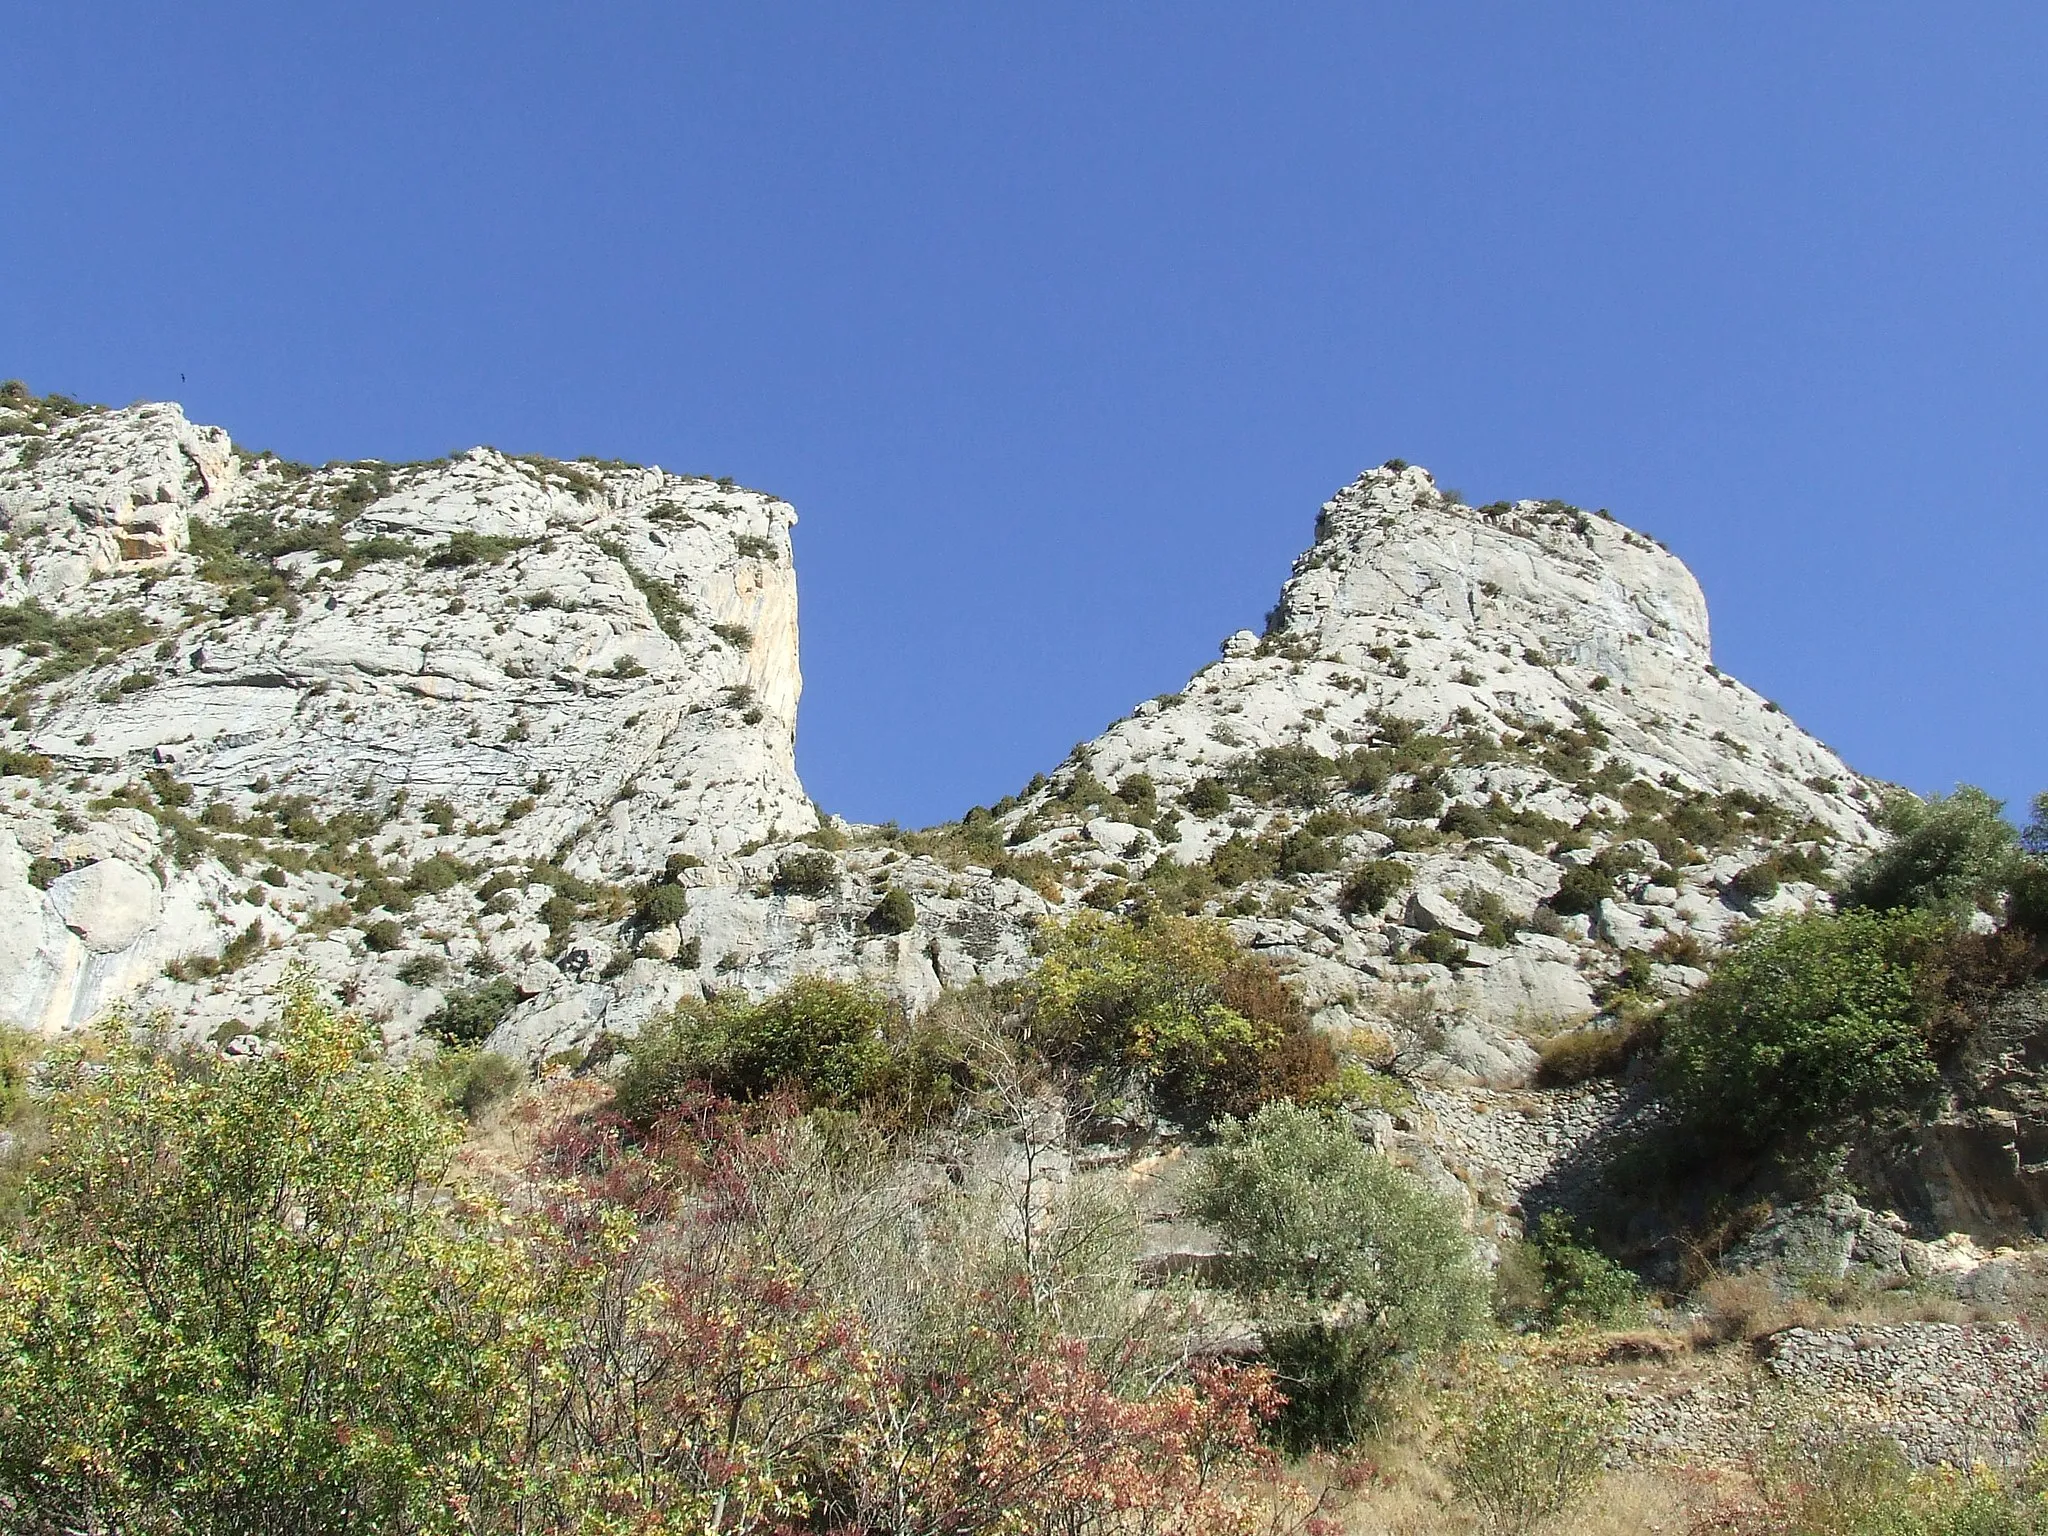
[1451, 711]
[514, 736]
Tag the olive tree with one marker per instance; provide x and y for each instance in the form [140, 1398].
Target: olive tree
[1349, 1263]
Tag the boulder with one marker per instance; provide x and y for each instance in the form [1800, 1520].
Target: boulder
[109, 905]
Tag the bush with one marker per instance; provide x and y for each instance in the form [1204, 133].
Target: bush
[1299, 776]
[807, 872]
[1582, 890]
[238, 1307]
[1349, 1263]
[384, 936]
[471, 1081]
[2026, 905]
[1205, 797]
[436, 873]
[1567, 1282]
[1811, 1025]
[1829, 1480]
[1948, 854]
[1529, 1448]
[823, 1039]
[1439, 948]
[1759, 882]
[894, 913]
[469, 1016]
[1580, 1055]
[1172, 1002]
[465, 549]
[660, 905]
[1374, 885]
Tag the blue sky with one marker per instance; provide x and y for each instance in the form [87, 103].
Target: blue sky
[1057, 322]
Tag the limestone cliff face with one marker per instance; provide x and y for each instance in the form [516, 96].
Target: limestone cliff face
[590, 665]
[1475, 701]
[423, 727]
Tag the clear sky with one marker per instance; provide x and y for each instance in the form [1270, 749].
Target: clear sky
[1058, 321]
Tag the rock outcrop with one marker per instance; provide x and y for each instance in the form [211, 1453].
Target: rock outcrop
[446, 731]
[1465, 705]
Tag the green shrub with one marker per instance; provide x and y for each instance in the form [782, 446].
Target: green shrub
[1171, 1002]
[1298, 776]
[662, 904]
[1948, 854]
[560, 913]
[436, 874]
[238, 1305]
[1439, 948]
[1498, 921]
[1374, 885]
[1529, 1448]
[1205, 797]
[70, 643]
[17, 1057]
[1418, 802]
[465, 549]
[422, 970]
[1759, 882]
[1811, 1025]
[807, 872]
[1583, 888]
[383, 936]
[469, 1016]
[1348, 1263]
[470, 1081]
[822, 1038]
[2026, 904]
[1555, 1277]
[894, 913]
[1465, 820]
[1823, 1479]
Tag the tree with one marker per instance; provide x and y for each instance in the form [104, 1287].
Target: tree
[1812, 1024]
[1949, 853]
[238, 1307]
[1348, 1262]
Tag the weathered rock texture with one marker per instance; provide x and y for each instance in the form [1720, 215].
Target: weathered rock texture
[421, 725]
[244, 692]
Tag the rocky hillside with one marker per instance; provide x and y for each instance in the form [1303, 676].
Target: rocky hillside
[1479, 752]
[508, 741]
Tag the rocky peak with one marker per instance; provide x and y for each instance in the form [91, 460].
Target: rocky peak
[1451, 710]
[445, 726]
[1577, 585]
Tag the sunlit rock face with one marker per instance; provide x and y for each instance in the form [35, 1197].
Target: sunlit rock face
[426, 729]
[1497, 695]
[594, 665]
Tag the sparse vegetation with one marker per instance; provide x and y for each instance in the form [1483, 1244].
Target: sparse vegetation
[464, 549]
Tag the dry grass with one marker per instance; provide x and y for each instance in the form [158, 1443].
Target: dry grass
[1407, 1498]
[1746, 1307]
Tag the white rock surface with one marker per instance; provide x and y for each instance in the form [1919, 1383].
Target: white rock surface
[417, 726]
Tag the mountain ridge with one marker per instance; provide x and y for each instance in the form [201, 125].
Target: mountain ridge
[446, 734]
